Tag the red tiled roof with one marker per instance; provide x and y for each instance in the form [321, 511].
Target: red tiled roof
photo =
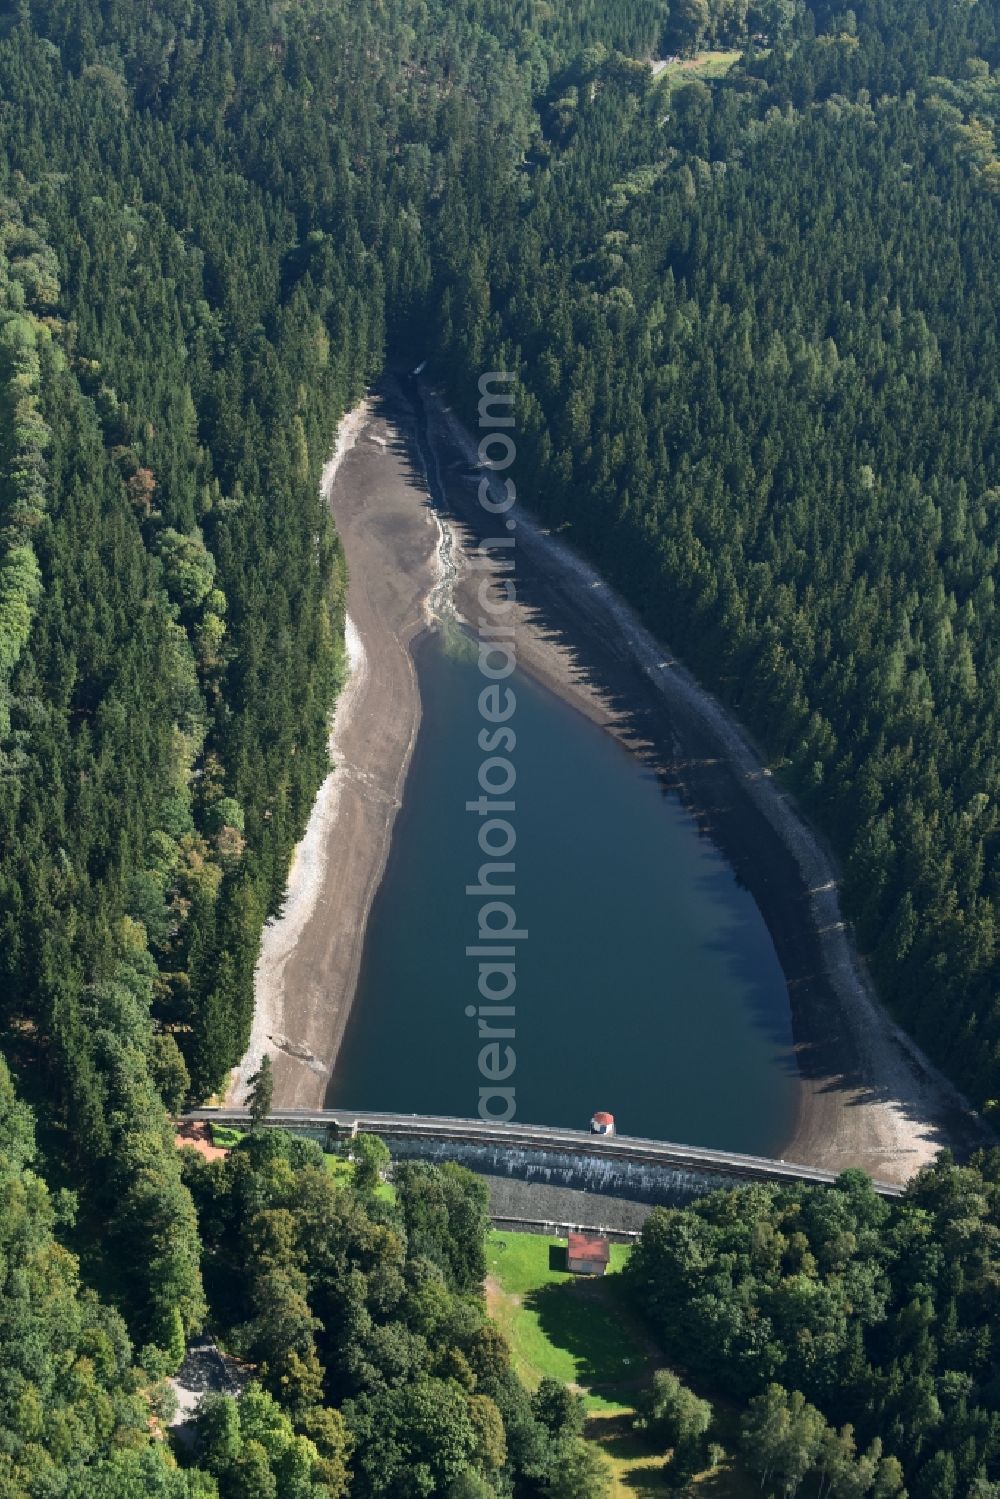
[588, 1247]
[603, 1118]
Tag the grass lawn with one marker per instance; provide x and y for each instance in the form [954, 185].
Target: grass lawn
[342, 1170]
[638, 1472]
[574, 1328]
[705, 65]
[339, 1167]
[579, 1330]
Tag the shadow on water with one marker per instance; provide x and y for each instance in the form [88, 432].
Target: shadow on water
[736, 942]
[726, 1075]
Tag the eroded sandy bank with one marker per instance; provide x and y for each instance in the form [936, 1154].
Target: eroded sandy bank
[308, 965]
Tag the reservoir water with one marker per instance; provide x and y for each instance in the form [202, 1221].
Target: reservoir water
[648, 984]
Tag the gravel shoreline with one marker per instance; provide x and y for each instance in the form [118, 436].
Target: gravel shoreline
[275, 1023]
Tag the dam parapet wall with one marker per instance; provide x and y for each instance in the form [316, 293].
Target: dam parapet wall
[615, 1166]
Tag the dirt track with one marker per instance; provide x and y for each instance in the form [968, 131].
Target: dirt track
[866, 1098]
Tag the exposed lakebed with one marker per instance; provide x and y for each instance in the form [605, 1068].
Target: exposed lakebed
[648, 984]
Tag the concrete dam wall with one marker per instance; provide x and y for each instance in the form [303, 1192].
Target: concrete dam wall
[546, 1160]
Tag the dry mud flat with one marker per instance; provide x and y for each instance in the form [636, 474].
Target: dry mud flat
[867, 1097]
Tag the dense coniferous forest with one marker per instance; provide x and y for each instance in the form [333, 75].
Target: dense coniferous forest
[755, 320]
[756, 326]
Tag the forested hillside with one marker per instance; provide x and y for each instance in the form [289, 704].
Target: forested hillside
[211, 215]
[755, 321]
[208, 215]
[859, 1338]
[757, 333]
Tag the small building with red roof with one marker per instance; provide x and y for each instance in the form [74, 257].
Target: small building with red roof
[602, 1124]
[587, 1254]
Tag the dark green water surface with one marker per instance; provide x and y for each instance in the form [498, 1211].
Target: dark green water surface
[648, 984]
